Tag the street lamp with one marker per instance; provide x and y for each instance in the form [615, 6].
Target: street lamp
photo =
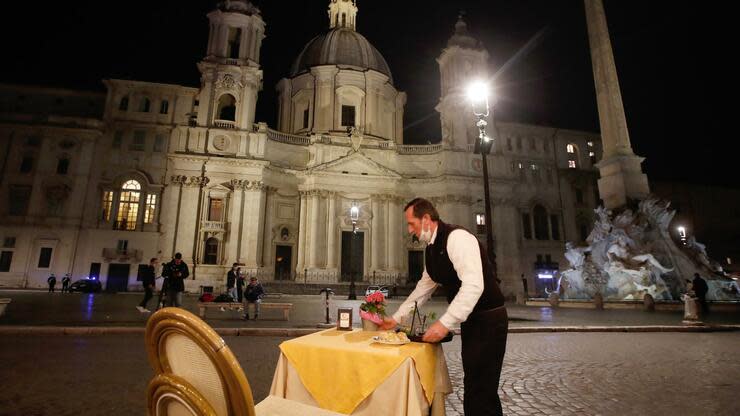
[354, 215]
[477, 93]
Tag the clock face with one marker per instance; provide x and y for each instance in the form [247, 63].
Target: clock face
[221, 142]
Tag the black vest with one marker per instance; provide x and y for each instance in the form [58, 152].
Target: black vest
[440, 269]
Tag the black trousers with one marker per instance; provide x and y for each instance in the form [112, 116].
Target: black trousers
[148, 294]
[483, 349]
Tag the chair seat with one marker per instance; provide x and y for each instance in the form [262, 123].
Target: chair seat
[277, 406]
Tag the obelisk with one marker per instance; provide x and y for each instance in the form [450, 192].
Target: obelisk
[619, 167]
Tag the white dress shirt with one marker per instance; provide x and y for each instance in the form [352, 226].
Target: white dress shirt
[464, 252]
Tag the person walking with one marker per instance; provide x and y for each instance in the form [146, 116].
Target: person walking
[253, 294]
[239, 284]
[52, 281]
[148, 278]
[162, 298]
[701, 288]
[231, 277]
[455, 260]
[178, 272]
[65, 283]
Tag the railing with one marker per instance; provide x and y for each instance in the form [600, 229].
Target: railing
[224, 124]
[217, 226]
[287, 138]
[419, 149]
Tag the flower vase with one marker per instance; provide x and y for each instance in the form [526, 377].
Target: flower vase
[368, 325]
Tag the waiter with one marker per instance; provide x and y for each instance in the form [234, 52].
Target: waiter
[455, 260]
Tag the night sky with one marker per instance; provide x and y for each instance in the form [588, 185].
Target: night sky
[77, 44]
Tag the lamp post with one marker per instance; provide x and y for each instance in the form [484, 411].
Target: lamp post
[478, 95]
[354, 215]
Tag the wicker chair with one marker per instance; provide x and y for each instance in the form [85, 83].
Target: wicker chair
[197, 374]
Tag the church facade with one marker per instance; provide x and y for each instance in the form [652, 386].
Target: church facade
[97, 184]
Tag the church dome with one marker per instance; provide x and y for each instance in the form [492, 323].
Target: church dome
[340, 46]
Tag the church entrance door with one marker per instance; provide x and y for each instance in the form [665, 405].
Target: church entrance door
[117, 277]
[282, 262]
[353, 250]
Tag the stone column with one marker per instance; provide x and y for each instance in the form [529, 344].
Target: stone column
[393, 234]
[506, 222]
[252, 231]
[621, 173]
[301, 240]
[375, 234]
[170, 216]
[313, 233]
[187, 236]
[323, 110]
[236, 217]
[331, 233]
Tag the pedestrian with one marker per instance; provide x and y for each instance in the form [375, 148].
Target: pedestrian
[253, 294]
[231, 282]
[239, 284]
[178, 272]
[148, 279]
[701, 289]
[165, 284]
[455, 260]
[52, 281]
[526, 289]
[65, 283]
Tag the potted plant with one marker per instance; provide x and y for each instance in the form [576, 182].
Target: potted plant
[372, 311]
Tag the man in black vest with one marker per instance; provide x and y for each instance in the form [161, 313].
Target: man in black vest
[455, 260]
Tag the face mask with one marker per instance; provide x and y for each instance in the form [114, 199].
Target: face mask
[426, 234]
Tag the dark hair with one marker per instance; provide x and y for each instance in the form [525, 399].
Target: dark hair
[235, 264]
[153, 259]
[421, 207]
[178, 256]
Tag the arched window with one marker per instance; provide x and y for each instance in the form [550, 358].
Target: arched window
[540, 223]
[211, 251]
[144, 105]
[570, 148]
[128, 206]
[227, 107]
[123, 105]
[63, 165]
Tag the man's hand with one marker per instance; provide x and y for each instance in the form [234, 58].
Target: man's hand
[435, 333]
[388, 323]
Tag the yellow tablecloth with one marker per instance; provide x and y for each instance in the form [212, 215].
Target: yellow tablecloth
[341, 368]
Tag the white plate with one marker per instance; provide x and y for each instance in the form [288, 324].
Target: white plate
[382, 341]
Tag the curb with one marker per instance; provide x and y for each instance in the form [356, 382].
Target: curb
[296, 332]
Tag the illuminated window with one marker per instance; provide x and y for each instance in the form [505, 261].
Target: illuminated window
[107, 205]
[590, 144]
[570, 148]
[216, 209]
[572, 164]
[480, 223]
[151, 207]
[128, 206]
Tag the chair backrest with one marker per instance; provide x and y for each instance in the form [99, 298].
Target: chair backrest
[190, 359]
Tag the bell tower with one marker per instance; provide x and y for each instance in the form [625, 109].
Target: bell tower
[343, 13]
[463, 60]
[230, 73]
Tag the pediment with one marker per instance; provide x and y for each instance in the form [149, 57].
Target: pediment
[356, 163]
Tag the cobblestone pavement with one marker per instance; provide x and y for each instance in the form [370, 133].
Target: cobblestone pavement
[614, 374]
[76, 309]
[562, 373]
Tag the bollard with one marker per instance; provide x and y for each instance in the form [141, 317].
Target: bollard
[327, 291]
[599, 301]
[648, 303]
[690, 310]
